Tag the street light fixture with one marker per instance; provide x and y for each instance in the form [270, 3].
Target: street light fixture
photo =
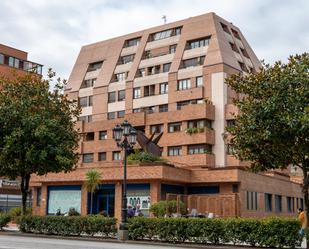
[128, 135]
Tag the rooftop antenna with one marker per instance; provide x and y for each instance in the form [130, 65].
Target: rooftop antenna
[164, 19]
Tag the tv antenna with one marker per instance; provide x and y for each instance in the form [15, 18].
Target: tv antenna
[164, 19]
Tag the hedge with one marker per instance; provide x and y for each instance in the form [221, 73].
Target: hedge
[69, 225]
[4, 220]
[267, 232]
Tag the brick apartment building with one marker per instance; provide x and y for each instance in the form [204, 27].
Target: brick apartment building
[166, 79]
[13, 63]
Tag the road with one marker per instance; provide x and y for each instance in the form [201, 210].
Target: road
[20, 242]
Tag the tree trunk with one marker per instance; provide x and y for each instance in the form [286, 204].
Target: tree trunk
[24, 187]
[305, 192]
[91, 200]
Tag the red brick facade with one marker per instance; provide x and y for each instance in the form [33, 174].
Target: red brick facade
[193, 57]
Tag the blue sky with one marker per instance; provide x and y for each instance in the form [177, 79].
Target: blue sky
[53, 31]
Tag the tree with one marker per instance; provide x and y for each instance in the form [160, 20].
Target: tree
[92, 182]
[37, 133]
[272, 130]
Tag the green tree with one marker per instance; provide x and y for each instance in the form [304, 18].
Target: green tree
[272, 130]
[92, 182]
[37, 133]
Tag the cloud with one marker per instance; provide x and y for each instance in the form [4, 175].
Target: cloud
[54, 31]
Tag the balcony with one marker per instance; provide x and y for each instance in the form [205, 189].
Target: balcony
[142, 81]
[163, 42]
[232, 161]
[189, 72]
[129, 50]
[136, 119]
[92, 74]
[192, 161]
[231, 111]
[123, 68]
[158, 60]
[182, 138]
[195, 52]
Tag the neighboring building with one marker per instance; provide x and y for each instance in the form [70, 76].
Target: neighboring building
[13, 63]
[168, 78]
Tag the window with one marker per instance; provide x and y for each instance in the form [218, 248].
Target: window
[174, 127]
[38, 196]
[302, 203]
[86, 119]
[88, 83]
[199, 149]
[89, 136]
[199, 123]
[242, 66]
[154, 70]
[290, 204]
[172, 49]
[11, 61]
[126, 59]
[120, 114]
[136, 110]
[85, 101]
[121, 76]
[225, 28]
[234, 47]
[102, 156]
[103, 135]
[16, 63]
[156, 128]
[1, 59]
[94, 66]
[116, 155]
[141, 72]
[278, 203]
[163, 108]
[136, 92]
[182, 104]
[268, 202]
[252, 200]
[235, 188]
[198, 61]
[111, 115]
[132, 42]
[150, 109]
[178, 31]
[244, 52]
[230, 149]
[121, 95]
[111, 97]
[230, 123]
[184, 84]
[198, 43]
[199, 81]
[88, 158]
[149, 90]
[162, 35]
[174, 151]
[166, 67]
[164, 88]
[235, 33]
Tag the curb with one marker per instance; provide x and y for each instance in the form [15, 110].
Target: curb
[132, 242]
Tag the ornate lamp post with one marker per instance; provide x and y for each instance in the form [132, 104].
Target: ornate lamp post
[125, 137]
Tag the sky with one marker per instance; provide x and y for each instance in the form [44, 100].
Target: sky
[53, 31]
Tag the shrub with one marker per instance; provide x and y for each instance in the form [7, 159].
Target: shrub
[143, 156]
[267, 232]
[69, 225]
[73, 212]
[4, 220]
[15, 213]
[162, 208]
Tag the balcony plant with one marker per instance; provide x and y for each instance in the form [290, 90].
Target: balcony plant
[138, 157]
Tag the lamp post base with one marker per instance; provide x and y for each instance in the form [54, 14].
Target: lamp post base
[123, 234]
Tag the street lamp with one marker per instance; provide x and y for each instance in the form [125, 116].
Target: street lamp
[127, 134]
